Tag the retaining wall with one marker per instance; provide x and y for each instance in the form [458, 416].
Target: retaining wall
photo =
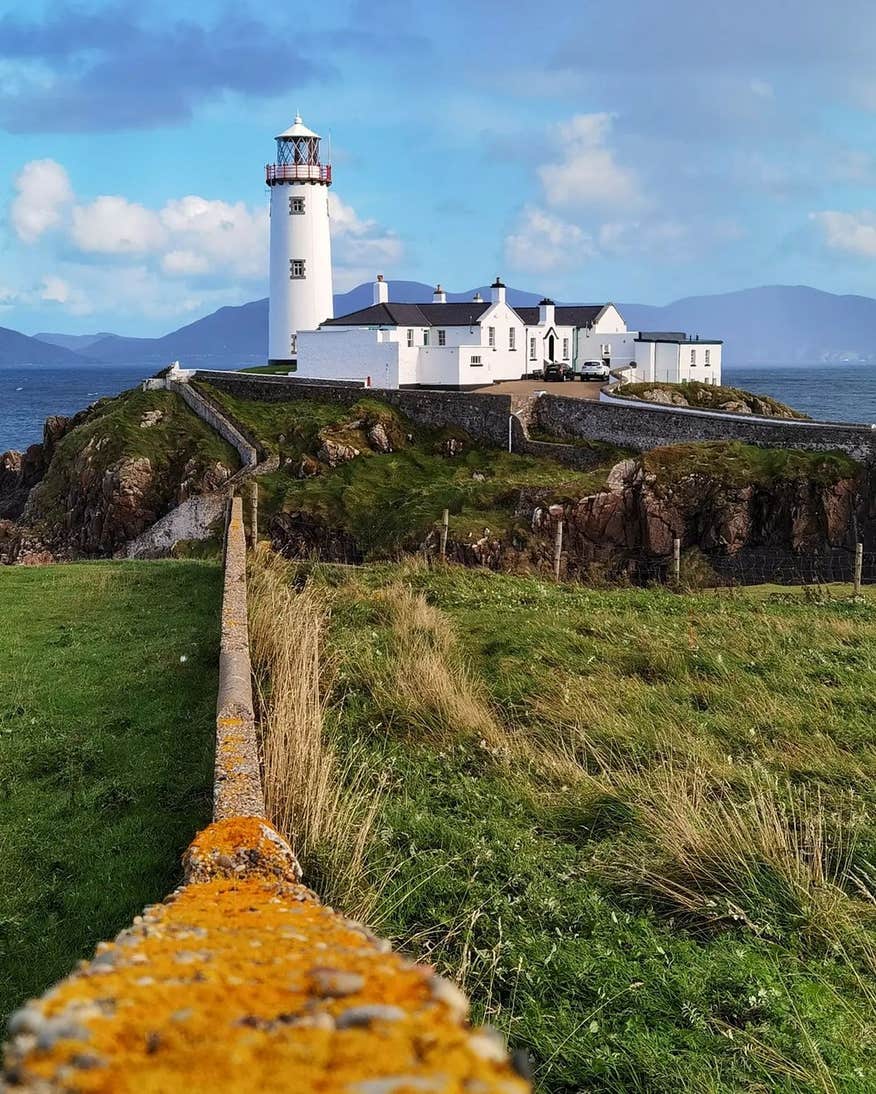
[214, 417]
[644, 426]
[241, 980]
[485, 417]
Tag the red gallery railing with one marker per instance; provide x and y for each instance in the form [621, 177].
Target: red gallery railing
[298, 172]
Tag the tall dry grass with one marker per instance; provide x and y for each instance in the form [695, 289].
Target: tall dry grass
[325, 808]
[427, 682]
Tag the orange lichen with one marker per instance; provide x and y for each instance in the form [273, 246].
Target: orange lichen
[245, 982]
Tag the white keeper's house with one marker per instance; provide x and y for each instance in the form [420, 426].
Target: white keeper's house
[433, 344]
[479, 342]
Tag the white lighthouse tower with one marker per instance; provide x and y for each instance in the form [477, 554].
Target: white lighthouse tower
[301, 257]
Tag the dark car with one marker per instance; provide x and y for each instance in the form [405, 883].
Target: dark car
[558, 372]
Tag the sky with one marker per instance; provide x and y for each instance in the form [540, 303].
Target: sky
[637, 151]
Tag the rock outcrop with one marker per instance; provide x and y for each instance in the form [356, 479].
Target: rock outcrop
[85, 491]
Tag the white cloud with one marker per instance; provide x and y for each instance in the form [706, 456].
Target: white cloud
[43, 195]
[545, 242]
[851, 233]
[587, 172]
[55, 290]
[215, 237]
[112, 225]
[360, 248]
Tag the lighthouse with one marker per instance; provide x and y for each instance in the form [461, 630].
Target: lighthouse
[301, 258]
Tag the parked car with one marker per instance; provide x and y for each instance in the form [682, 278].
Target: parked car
[593, 370]
[556, 371]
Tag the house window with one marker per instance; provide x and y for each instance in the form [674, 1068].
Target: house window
[442, 337]
[512, 338]
[693, 358]
[296, 268]
[296, 205]
[410, 339]
[491, 336]
[565, 349]
[476, 360]
[425, 338]
[532, 349]
[708, 357]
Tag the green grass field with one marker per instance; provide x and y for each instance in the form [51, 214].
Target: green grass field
[107, 698]
[636, 825]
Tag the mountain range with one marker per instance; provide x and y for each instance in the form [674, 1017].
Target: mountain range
[774, 324]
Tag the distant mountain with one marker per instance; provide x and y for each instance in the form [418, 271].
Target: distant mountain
[775, 324]
[19, 349]
[772, 325]
[79, 343]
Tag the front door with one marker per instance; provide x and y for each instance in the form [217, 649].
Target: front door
[551, 344]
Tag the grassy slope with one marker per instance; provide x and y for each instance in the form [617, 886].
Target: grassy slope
[713, 397]
[503, 862]
[106, 743]
[178, 437]
[392, 501]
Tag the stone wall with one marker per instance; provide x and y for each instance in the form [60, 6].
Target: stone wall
[241, 979]
[484, 417]
[643, 427]
[215, 418]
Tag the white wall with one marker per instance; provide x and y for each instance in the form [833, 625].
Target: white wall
[610, 322]
[298, 304]
[349, 354]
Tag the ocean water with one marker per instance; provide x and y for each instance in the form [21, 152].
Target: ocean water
[834, 393]
[30, 393]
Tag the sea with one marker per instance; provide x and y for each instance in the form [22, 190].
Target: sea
[30, 393]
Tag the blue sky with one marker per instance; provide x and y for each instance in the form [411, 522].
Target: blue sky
[635, 151]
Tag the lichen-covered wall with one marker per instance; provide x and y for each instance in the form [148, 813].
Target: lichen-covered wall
[241, 980]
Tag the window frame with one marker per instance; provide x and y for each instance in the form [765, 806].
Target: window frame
[532, 356]
[410, 337]
[442, 337]
[512, 339]
[302, 273]
[293, 201]
[476, 361]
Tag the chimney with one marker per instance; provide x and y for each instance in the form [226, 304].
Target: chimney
[546, 313]
[439, 296]
[477, 298]
[381, 290]
[497, 291]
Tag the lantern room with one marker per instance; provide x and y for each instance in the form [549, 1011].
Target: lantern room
[298, 157]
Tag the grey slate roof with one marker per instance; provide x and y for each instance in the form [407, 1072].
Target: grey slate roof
[675, 336]
[576, 315]
[464, 314]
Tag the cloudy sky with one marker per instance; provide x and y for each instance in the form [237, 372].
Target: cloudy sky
[637, 151]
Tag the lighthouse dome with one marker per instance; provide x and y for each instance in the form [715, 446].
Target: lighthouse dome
[297, 129]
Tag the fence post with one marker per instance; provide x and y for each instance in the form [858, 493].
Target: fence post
[445, 528]
[558, 550]
[676, 560]
[254, 513]
[859, 566]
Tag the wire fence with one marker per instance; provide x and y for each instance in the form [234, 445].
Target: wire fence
[751, 567]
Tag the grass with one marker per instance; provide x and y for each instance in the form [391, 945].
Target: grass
[385, 503]
[107, 697]
[734, 464]
[714, 397]
[178, 445]
[636, 825]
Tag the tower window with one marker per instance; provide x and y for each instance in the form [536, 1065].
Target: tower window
[296, 205]
[491, 336]
[410, 339]
[442, 337]
[512, 338]
[296, 268]
[293, 343]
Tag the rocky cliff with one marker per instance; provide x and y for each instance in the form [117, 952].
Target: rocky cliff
[102, 477]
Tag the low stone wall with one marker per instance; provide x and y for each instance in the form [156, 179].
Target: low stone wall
[214, 417]
[644, 426]
[484, 417]
[241, 980]
[190, 520]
